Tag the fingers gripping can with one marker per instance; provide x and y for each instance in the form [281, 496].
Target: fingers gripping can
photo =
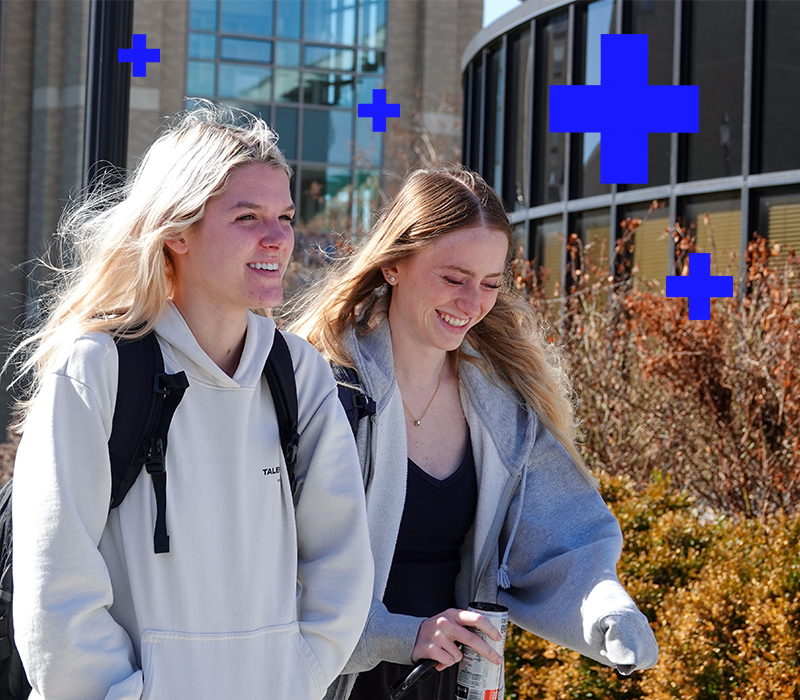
[479, 678]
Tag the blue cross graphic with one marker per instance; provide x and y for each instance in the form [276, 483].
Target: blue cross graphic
[624, 109]
[378, 110]
[139, 56]
[699, 286]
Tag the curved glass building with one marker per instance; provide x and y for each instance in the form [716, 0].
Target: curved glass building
[740, 174]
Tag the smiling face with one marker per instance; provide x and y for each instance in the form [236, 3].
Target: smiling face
[445, 289]
[235, 259]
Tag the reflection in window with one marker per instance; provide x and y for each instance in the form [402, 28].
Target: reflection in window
[330, 58]
[551, 70]
[598, 19]
[286, 126]
[368, 199]
[288, 19]
[515, 176]
[246, 17]
[371, 61]
[245, 82]
[202, 46]
[656, 19]
[203, 14]
[287, 85]
[327, 135]
[493, 126]
[369, 145]
[325, 200]
[717, 66]
[331, 21]
[594, 228]
[333, 89]
[372, 23]
[287, 54]
[651, 251]
[548, 245]
[779, 220]
[780, 123]
[475, 106]
[246, 50]
[716, 222]
[200, 78]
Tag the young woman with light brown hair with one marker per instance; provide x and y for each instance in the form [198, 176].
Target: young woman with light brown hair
[475, 489]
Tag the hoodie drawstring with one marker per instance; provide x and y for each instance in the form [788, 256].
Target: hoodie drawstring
[502, 573]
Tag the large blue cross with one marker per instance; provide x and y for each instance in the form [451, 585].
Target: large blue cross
[378, 110]
[139, 56]
[624, 109]
[699, 286]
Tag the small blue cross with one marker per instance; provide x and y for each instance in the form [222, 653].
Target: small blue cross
[624, 109]
[138, 56]
[378, 110]
[699, 286]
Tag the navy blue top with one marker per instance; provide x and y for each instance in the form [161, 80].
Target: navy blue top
[436, 517]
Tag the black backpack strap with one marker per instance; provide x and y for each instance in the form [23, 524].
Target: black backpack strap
[356, 403]
[146, 401]
[279, 371]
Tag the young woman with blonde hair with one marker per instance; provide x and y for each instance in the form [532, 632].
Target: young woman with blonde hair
[475, 489]
[264, 590]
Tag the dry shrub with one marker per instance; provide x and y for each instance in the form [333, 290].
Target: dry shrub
[723, 597]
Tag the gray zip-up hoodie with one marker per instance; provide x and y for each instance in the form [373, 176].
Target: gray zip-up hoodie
[543, 543]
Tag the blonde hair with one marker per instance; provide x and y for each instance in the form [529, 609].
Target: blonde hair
[119, 274]
[509, 340]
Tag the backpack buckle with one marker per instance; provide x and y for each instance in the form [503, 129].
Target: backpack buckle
[154, 456]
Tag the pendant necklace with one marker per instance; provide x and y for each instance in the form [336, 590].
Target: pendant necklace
[418, 421]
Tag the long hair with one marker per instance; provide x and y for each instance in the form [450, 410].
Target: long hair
[509, 340]
[119, 273]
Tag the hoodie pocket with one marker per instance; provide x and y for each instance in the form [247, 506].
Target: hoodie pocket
[271, 662]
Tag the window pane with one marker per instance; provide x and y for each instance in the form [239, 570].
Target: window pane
[780, 123]
[548, 244]
[286, 126]
[651, 242]
[203, 14]
[287, 54]
[475, 107]
[371, 61]
[325, 199]
[289, 17]
[331, 21]
[368, 199]
[493, 124]
[245, 82]
[656, 19]
[515, 176]
[247, 50]
[717, 66]
[247, 17]
[327, 135]
[716, 220]
[598, 19]
[594, 228]
[779, 220]
[202, 46]
[334, 89]
[330, 58]
[369, 145]
[287, 85]
[200, 79]
[373, 23]
[365, 88]
[551, 70]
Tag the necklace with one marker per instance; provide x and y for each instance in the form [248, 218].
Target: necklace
[418, 421]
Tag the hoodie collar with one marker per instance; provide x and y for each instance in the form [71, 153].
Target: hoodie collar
[186, 353]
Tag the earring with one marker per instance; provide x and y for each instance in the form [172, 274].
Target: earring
[391, 279]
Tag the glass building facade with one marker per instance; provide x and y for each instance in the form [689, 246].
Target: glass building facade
[303, 66]
[740, 174]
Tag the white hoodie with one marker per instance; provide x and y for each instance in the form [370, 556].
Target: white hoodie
[259, 597]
